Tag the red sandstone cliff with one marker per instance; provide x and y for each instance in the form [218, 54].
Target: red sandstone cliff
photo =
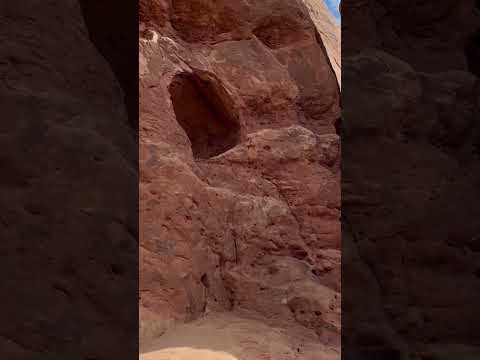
[240, 180]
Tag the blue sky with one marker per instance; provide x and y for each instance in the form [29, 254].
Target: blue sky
[333, 6]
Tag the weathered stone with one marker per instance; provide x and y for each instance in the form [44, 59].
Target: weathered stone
[240, 174]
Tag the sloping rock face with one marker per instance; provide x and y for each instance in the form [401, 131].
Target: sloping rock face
[329, 31]
[411, 247]
[240, 179]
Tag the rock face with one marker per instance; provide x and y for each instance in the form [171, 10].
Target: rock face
[240, 180]
[410, 237]
[429, 35]
[330, 33]
[68, 238]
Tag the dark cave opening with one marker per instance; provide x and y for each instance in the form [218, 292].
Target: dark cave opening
[205, 111]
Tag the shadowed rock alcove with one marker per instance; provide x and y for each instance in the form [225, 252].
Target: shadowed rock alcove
[114, 40]
[205, 111]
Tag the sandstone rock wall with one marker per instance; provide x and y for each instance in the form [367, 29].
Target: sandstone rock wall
[240, 178]
[330, 33]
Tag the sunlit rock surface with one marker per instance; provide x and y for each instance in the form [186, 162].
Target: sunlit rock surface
[240, 179]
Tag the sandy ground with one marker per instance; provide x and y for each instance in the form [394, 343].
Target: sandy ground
[228, 337]
[186, 353]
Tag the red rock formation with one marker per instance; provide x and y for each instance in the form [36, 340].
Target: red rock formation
[240, 196]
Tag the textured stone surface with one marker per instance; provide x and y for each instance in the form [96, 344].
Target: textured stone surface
[67, 237]
[429, 35]
[410, 237]
[330, 33]
[240, 180]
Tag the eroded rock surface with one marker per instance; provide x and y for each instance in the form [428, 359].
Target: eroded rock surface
[329, 32]
[240, 179]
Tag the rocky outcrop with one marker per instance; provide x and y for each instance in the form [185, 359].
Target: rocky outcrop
[240, 179]
[410, 233]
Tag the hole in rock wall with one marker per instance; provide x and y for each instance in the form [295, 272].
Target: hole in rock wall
[205, 111]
